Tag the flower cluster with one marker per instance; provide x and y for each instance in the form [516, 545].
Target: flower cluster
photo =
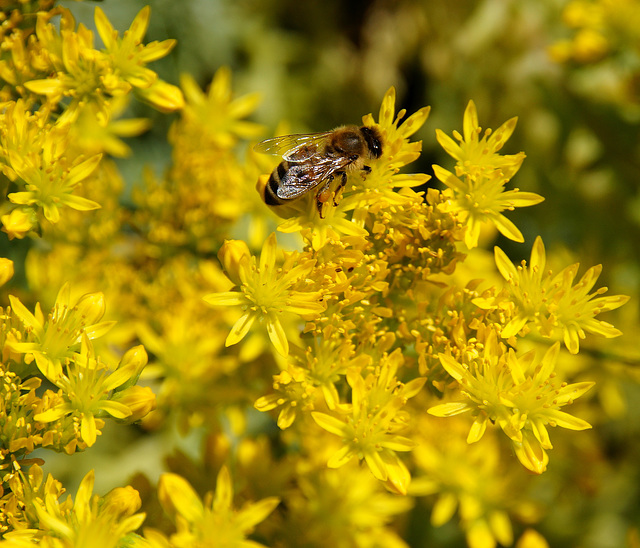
[56, 83]
[58, 350]
[481, 173]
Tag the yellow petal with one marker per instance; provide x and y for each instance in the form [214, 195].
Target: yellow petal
[116, 409]
[25, 315]
[522, 199]
[240, 328]
[286, 417]
[531, 454]
[252, 514]
[414, 122]
[156, 50]
[341, 457]
[277, 335]
[450, 146]
[505, 266]
[79, 203]
[443, 509]
[105, 29]
[48, 86]
[448, 409]
[50, 415]
[226, 298]
[398, 477]
[83, 495]
[139, 25]
[470, 122]
[477, 430]
[178, 497]
[507, 228]
[161, 95]
[234, 255]
[452, 367]
[501, 135]
[224, 491]
[329, 423]
[88, 429]
[376, 464]
[564, 420]
[501, 527]
[387, 108]
[83, 170]
[514, 327]
[268, 254]
[449, 179]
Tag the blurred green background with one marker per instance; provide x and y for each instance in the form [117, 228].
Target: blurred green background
[321, 64]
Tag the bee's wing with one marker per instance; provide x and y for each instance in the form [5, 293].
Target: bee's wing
[301, 178]
[293, 148]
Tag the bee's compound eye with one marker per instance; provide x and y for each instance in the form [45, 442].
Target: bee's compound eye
[372, 137]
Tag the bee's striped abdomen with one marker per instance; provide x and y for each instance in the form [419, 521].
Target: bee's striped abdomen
[275, 180]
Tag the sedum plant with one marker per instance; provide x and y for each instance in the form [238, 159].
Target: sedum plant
[337, 369]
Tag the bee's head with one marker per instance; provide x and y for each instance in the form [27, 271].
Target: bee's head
[373, 139]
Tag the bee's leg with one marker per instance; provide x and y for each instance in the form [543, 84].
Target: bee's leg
[323, 195]
[343, 183]
[365, 171]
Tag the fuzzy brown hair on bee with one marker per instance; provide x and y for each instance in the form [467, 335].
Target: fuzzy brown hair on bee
[312, 161]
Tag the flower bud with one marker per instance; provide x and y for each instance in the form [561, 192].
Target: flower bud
[91, 307]
[122, 501]
[134, 361]
[6, 270]
[18, 223]
[139, 399]
[232, 255]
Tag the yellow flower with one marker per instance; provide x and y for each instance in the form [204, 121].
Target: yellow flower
[378, 187]
[267, 293]
[473, 481]
[552, 304]
[93, 521]
[38, 156]
[217, 112]
[481, 173]
[50, 183]
[128, 57]
[213, 522]
[343, 508]
[475, 154]
[294, 394]
[80, 71]
[86, 386]
[95, 134]
[519, 394]
[127, 53]
[370, 430]
[57, 337]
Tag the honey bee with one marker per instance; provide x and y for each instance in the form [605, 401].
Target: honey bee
[312, 161]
